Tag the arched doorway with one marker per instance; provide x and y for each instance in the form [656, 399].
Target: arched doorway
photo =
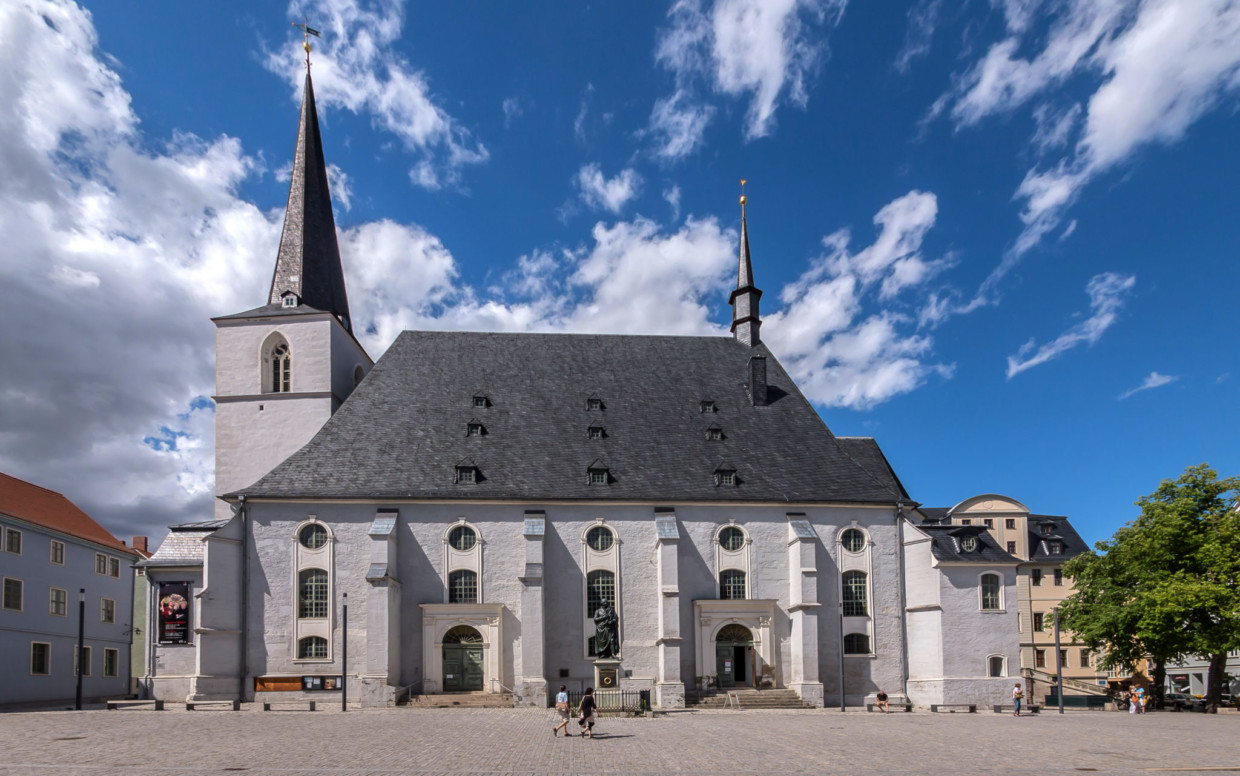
[462, 660]
[734, 656]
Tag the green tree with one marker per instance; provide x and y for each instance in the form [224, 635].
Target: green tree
[1168, 583]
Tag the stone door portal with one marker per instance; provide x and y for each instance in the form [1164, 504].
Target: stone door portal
[462, 660]
[733, 654]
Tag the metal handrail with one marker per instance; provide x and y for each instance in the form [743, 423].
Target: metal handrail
[408, 690]
[503, 686]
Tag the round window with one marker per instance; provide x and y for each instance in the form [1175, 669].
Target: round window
[462, 538]
[731, 538]
[968, 543]
[599, 539]
[853, 540]
[313, 536]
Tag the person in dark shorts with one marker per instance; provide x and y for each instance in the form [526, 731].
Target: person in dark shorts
[589, 713]
[882, 701]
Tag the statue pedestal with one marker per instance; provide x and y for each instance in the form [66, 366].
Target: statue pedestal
[607, 674]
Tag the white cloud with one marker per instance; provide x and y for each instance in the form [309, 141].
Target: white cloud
[1154, 380]
[512, 111]
[1154, 67]
[760, 49]
[340, 186]
[603, 193]
[922, 18]
[356, 67]
[1106, 297]
[672, 196]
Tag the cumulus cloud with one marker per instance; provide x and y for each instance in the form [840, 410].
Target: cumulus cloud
[1153, 67]
[1154, 380]
[603, 193]
[1106, 296]
[356, 67]
[761, 49]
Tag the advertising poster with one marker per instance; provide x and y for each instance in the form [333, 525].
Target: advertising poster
[174, 613]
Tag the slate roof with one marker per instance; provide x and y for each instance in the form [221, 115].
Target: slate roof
[49, 509]
[271, 311]
[1039, 552]
[946, 544]
[183, 546]
[403, 430]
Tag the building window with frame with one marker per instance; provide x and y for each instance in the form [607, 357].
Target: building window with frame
[853, 540]
[474, 429]
[995, 664]
[312, 594]
[966, 521]
[1038, 621]
[313, 536]
[1086, 658]
[1058, 577]
[732, 585]
[1055, 547]
[114, 568]
[600, 539]
[988, 522]
[594, 404]
[855, 594]
[714, 434]
[1063, 658]
[857, 644]
[1035, 577]
[1039, 658]
[1010, 523]
[40, 658]
[13, 541]
[598, 476]
[111, 661]
[84, 663]
[706, 406]
[462, 538]
[101, 563]
[732, 539]
[463, 587]
[480, 401]
[1011, 548]
[312, 648]
[281, 369]
[594, 432]
[58, 602]
[992, 593]
[12, 594]
[58, 553]
[600, 588]
[465, 475]
[107, 610]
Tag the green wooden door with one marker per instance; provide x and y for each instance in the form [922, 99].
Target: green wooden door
[453, 667]
[471, 668]
[724, 667]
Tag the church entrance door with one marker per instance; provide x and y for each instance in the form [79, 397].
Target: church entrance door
[462, 660]
[733, 653]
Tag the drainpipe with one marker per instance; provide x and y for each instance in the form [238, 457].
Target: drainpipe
[245, 596]
[839, 607]
[900, 594]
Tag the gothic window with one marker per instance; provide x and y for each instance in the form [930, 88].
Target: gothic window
[358, 375]
[992, 593]
[853, 540]
[463, 587]
[312, 594]
[855, 594]
[732, 585]
[856, 644]
[312, 648]
[277, 365]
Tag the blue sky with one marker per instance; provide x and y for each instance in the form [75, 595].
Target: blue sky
[999, 236]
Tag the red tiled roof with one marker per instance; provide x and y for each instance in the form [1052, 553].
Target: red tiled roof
[49, 509]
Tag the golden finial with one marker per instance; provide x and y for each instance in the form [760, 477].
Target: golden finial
[744, 199]
[307, 31]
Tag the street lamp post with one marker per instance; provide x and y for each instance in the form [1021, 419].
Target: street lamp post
[1058, 661]
[81, 649]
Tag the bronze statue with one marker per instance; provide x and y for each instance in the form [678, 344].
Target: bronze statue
[606, 631]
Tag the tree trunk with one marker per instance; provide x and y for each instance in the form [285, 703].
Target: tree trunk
[1158, 683]
[1214, 682]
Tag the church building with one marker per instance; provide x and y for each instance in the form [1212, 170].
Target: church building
[451, 517]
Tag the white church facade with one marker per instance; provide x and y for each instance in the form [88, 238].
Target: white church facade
[472, 499]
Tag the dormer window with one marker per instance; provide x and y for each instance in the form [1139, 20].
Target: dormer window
[969, 544]
[725, 476]
[598, 476]
[474, 429]
[480, 401]
[594, 403]
[467, 472]
[289, 299]
[714, 433]
[707, 406]
[1054, 548]
[594, 432]
[1048, 529]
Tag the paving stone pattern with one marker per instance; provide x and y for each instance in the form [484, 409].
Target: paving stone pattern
[385, 742]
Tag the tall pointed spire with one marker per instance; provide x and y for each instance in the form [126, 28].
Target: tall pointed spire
[308, 263]
[744, 300]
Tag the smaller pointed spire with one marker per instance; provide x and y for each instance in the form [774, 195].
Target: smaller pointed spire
[746, 320]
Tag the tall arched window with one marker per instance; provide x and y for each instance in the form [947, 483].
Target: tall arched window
[992, 588]
[463, 587]
[854, 594]
[732, 585]
[277, 365]
[312, 593]
[600, 587]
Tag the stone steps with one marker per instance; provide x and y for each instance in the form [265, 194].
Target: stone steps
[752, 699]
[462, 700]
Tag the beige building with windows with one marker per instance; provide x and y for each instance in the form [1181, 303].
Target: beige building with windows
[1042, 544]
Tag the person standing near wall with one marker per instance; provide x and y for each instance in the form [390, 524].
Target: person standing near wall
[1018, 694]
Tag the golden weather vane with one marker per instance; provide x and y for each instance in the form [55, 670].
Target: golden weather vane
[744, 199]
[307, 31]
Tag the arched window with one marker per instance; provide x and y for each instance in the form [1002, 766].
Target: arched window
[277, 365]
[992, 589]
[995, 665]
[600, 588]
[312, 593]
[600, 539]
[854, 594]
[462, 538]
[856, 644]
[732, 585]
[462, 634]
[313, 536]
[463, 587]
[853, 540]
[312, 648]
[731, 538]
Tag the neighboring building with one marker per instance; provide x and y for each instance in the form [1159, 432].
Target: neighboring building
[49, 551]
[1191, 675]
[1042, 544]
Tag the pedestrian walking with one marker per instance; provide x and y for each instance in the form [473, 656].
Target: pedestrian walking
[1017, 695]
[561, 709]
[589, 713]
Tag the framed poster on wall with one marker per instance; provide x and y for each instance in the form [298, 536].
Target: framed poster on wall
[174, 612]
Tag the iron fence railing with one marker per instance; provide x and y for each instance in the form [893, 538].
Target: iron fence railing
[613, 701]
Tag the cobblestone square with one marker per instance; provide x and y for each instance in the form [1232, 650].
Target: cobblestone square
[519, 742]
